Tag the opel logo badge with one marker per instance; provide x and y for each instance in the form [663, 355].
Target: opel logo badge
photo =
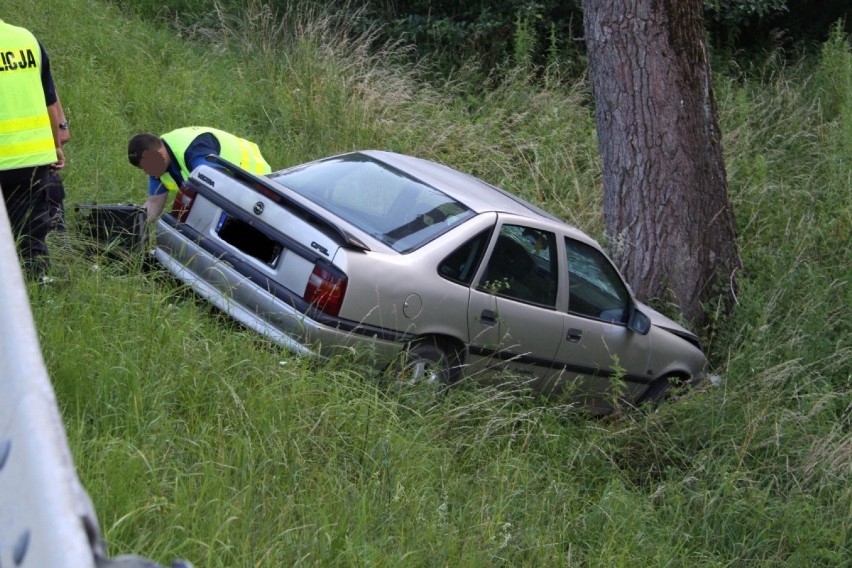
[258, 208]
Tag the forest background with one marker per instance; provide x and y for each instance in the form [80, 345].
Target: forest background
[196, 439]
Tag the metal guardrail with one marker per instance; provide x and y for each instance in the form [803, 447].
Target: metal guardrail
[46, 517]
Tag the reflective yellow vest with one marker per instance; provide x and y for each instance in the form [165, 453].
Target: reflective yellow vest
[236, 150]
[26, 138]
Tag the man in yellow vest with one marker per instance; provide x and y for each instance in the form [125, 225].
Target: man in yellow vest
[29, 141]
[169, 159]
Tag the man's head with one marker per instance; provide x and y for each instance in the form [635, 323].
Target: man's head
[148, 152]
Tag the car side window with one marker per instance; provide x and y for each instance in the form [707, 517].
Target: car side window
[595, 288]
[461, 264]
[522, 266]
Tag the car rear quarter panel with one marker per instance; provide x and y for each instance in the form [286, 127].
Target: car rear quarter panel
[385, 288]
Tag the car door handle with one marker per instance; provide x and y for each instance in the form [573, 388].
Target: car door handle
[574, 335]
[488, 317]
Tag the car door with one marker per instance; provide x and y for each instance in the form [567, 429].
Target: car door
[600, 358]
[512, 317]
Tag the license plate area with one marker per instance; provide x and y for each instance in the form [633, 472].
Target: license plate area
[248, 240]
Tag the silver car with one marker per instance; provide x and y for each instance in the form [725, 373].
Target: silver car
[416, 263]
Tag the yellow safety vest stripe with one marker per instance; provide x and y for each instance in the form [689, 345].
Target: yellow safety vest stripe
[31, 147]
[244, 153]
[26, 123]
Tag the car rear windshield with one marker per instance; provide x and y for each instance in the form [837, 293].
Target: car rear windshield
[388, 204]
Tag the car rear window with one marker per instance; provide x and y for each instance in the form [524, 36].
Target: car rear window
[388, 204]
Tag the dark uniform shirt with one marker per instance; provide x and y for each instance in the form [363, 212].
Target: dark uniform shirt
[46, 78]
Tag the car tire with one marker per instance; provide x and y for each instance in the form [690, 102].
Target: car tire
[656, 392]
[660, 390]
[423, 365]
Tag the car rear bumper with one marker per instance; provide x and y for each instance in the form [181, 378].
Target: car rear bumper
[242, 298]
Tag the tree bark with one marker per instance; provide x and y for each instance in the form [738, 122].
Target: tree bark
[666, 199]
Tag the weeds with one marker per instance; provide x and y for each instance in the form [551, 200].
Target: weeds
[196, 439]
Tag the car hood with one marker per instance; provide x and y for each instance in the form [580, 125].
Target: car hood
[661, 321]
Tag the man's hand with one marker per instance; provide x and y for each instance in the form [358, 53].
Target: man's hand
[60, 160]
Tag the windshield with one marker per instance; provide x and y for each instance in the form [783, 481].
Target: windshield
[384, 202]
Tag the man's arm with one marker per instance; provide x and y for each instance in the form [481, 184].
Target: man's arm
[53, 112]
[198, 150]
[64, 130]
[154, 206]
[53, 107]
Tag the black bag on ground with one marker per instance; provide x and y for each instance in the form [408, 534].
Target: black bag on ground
[113, 228]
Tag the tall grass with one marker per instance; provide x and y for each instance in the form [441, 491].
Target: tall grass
[197, 439]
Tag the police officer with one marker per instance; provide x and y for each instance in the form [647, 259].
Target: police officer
[29, 141]
[169, 159]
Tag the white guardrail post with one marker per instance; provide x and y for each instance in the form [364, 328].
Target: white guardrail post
[46, 517]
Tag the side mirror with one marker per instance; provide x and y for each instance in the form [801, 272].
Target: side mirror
[639, 322]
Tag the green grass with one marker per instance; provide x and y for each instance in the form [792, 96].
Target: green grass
[197, 439]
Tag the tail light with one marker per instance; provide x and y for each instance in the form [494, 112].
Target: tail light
[326, 290]
[183, 203]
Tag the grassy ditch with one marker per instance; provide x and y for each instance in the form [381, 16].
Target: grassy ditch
[196, 439]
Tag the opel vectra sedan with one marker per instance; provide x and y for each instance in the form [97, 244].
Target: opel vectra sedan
[416, 262]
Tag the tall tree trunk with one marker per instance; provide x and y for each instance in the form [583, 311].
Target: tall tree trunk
[665, 190]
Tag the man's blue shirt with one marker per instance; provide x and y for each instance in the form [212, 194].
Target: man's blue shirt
[195, 155]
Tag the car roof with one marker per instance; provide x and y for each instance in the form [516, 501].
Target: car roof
[470, 190]
[479, 196]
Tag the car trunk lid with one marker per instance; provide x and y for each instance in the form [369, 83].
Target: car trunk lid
[278, 234]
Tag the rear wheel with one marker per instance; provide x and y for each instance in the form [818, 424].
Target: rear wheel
[424, 365]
